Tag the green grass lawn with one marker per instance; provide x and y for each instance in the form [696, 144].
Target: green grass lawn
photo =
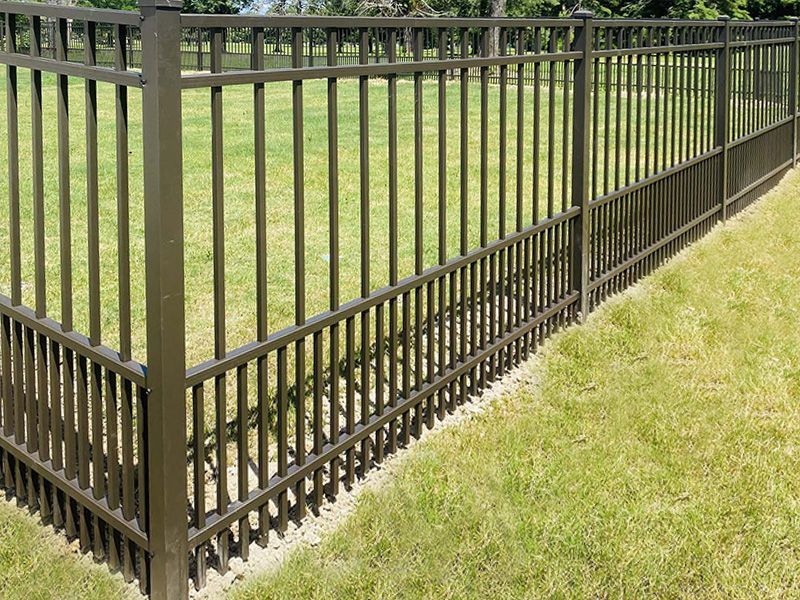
[652, 452]
[239, 195]
[35, 563]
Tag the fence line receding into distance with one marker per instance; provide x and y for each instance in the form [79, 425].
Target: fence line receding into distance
[448, 193]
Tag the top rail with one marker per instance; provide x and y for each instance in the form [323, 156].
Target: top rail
[246, 20]
[612, 22]
[760, 24]
[284, 21]
[95, 15]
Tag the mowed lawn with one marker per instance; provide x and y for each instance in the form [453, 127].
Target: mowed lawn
[654, 451]
[36, 564]
[239, 202]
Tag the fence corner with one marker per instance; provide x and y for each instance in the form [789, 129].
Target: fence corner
[166, 360]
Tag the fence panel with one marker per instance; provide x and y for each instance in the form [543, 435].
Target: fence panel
[654, 157]
[344, 227]
[73, 441]
[341, 389]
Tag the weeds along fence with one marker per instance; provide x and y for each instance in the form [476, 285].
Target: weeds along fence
[340, 251]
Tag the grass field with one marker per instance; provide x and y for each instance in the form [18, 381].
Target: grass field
[36, 564]
[652, 452]
[239, 196]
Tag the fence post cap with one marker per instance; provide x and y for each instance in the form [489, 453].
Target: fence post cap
[173, 4]
[723, 18]
[582, 14]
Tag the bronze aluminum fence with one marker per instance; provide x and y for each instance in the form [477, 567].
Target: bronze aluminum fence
[645, 136]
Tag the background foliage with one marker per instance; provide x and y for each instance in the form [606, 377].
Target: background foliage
[691, 9]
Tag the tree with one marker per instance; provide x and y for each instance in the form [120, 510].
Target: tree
[215, 7]
[773, 9]
[111, 4]
[497, 8]
[684, 9]
[395, 8]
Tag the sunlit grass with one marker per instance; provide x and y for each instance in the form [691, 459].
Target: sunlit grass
[240, 256]
[35, 563]
[651, 452]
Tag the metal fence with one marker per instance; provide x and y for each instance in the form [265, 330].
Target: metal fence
[621, 142]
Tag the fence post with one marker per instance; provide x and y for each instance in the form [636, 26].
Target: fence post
[722, 101]
[793, 76]
[580, 237]
[166, 362]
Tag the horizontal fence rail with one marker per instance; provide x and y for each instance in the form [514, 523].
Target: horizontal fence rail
[251, 256]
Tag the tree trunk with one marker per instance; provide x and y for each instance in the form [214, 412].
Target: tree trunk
[498, 9]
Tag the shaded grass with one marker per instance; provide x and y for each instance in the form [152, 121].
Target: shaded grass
[651, 452]
[34, 566]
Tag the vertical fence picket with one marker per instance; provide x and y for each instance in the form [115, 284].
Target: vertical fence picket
[283, 436]
[364, 240]
[12, 134]
[37, 163]
[262, 313]
[92, 186]
[220, 347]
[333, 249]
[298, 169]
[6, 386]
[64, 195]
[418, 227]
[391, 55]
[466, 334]
[442, 212]
[123, 197]
[243, 457]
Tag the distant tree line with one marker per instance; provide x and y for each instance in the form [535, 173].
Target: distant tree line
[687, 9]
[216, 7]
[684, 9]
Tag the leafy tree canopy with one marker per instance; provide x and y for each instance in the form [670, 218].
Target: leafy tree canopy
[111, 4]
[686, 9]
[218, 7]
